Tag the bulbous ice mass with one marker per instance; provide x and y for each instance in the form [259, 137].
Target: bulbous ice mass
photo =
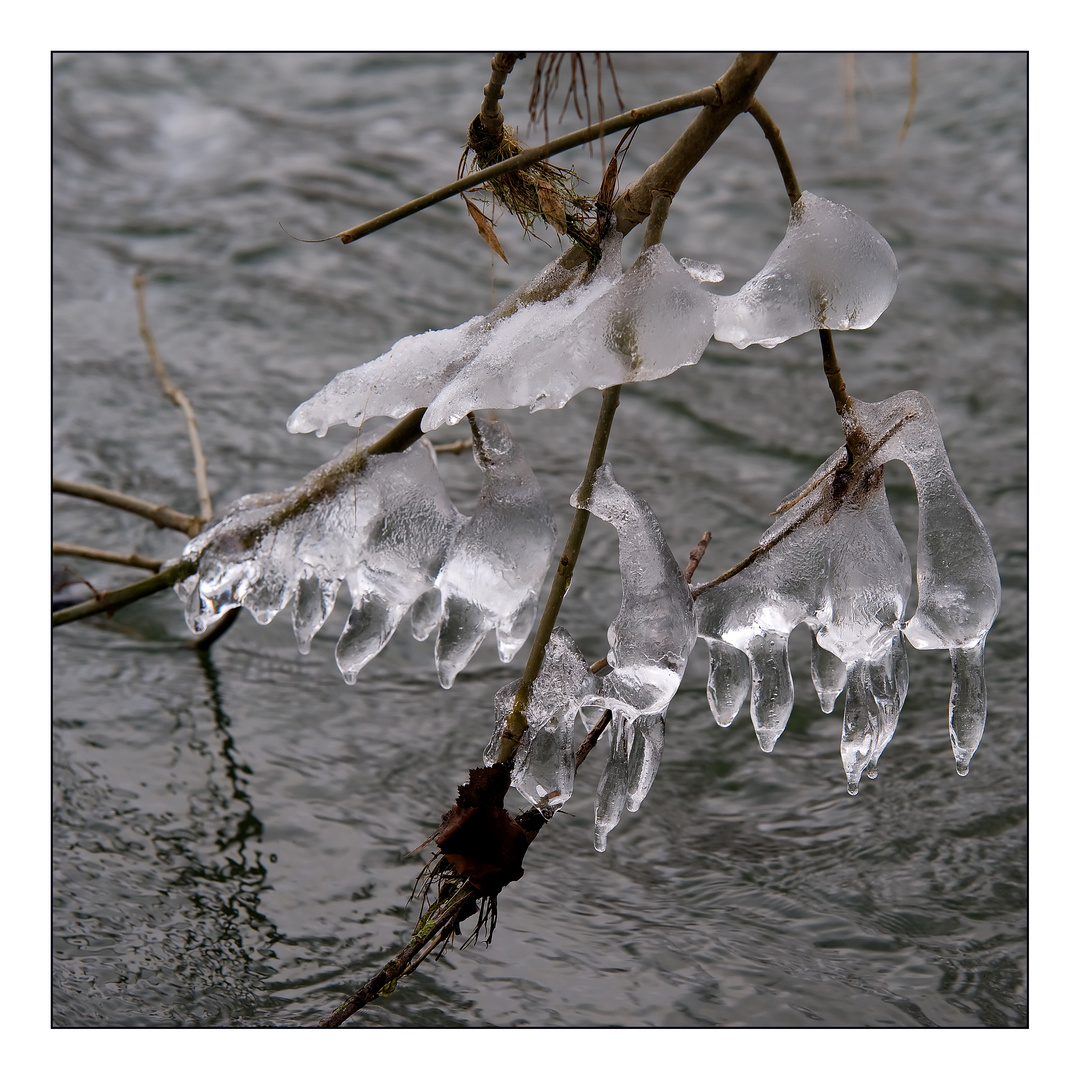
[834, 560]
[832, 271]
[386, 526]
[653, 634]
[543, 770]
[650, 641]
[568, 330]
[496, 563]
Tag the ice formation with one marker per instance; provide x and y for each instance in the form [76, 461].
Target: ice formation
[834, 560]
[543, 770]
[650, 641]
[496, 561]
[390, 531]
[832, 271]
[566, 331]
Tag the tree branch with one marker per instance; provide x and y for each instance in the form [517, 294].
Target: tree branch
[81, 552]
[708, 95]
[118, 598]
[175, 395]
[164, 517]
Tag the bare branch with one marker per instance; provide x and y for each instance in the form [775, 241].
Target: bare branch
[81, 552]
[164, 517]
[118, 598]
[176, 396]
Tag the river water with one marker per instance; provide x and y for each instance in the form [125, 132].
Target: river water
[229, 831]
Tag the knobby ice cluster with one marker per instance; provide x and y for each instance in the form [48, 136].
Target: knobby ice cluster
[391, 532]
[832, 559]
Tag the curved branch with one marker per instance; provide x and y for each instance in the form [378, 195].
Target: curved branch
[175, 395]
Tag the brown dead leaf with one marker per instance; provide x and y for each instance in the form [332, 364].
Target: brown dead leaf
[551, 206]
[487, 230]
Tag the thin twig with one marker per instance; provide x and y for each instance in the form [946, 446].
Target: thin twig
[164, 517]
[696, 557]
[118, 598]
[707, 95]
[772, 133]
[913, 93]
[99, 555]
[491, 116]
[176, 396]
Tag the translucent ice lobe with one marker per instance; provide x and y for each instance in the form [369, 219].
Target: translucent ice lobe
[959, 587]
[829, 674]
[655, 629]
[832, 271]
[729, 680]
[612, 789]
[495, 566]
[868, 576]
[543, 769]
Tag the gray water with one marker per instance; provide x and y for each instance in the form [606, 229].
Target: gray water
[229, 831]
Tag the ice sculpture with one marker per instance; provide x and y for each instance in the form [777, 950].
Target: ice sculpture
[496, 563]
[389, 529]
[543, 770]
[834, 561]
[650, 641]
[566, 331]
[957, 575]
[832, 271]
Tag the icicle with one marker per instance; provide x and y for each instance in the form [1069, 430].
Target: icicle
[829, 674]
[729, 680]
[967, 705]
[861, 722]
[644, 760]
[614, 783]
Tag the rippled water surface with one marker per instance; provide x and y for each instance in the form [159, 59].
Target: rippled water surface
[229, 831]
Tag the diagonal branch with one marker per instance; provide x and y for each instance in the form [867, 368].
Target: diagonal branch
[176, 396]
[722, 102]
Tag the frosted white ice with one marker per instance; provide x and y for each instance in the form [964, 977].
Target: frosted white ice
[832, 271]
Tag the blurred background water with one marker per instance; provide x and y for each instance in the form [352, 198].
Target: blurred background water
[229, 831]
